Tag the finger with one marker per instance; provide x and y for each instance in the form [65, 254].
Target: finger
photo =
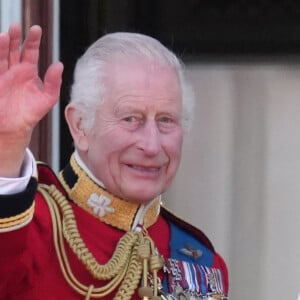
[15, 43]
[52, 82]
[4, 48]
[31, 46]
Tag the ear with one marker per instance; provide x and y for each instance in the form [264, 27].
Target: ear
[74, 119]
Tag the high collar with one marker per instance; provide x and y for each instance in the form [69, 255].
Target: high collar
[86, 192]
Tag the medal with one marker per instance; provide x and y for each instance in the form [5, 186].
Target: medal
[190, 281]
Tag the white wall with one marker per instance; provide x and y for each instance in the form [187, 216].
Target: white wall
[239, 176]
[10, 11]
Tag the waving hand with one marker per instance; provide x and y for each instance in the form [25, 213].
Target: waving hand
[24, 97]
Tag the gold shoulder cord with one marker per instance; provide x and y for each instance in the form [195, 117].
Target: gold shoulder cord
[133, 257]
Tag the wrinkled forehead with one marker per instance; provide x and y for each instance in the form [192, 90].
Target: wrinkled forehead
[145, 74]
[137, 63]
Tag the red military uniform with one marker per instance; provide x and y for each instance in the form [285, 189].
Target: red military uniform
[29, 263]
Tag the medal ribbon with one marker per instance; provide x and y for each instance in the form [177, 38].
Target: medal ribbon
[193, 278]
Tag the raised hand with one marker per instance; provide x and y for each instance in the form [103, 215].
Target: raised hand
[24, 97]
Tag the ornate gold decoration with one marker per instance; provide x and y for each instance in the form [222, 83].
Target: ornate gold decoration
[134, 258]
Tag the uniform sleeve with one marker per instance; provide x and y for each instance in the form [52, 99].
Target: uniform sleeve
[17, 195]
[16, 211]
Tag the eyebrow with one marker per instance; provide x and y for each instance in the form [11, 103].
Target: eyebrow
[128, 106]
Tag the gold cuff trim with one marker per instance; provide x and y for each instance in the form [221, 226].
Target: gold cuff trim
[18, 219]
[16, 227]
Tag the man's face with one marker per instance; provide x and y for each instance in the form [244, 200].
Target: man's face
[134, 147]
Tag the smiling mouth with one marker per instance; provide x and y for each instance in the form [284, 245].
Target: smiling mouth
[145, 169]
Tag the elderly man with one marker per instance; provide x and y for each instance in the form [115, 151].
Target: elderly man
[98, 229]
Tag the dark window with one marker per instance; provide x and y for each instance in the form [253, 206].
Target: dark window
[194, 29]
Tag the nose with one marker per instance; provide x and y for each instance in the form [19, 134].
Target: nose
[149, 138]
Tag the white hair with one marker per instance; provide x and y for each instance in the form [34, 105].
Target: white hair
[88, 88]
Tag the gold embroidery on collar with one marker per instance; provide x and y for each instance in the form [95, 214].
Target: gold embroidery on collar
[120, 213]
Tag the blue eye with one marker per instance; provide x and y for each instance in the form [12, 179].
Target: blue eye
[166, 120]
[167, 124]
[129, 119]
[132, 122]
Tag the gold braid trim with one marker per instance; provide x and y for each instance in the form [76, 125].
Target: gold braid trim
[18, 219]
[124, 268]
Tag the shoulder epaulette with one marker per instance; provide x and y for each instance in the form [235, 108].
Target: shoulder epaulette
[200, 235]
